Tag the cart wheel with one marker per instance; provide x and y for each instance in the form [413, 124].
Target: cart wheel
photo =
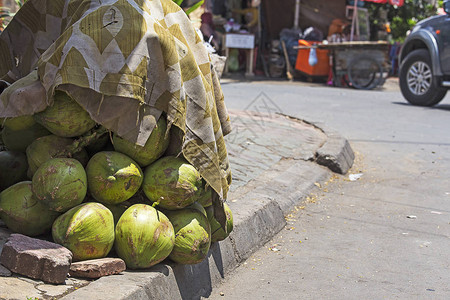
[364, 73]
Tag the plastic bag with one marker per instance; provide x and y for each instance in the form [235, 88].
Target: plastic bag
[312, 60]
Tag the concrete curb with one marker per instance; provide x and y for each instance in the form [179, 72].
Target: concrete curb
[336, 154]
[268, 198]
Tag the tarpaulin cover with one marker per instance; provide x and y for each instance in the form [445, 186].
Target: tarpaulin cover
[126, 62]
[393, 2]
[376, 1]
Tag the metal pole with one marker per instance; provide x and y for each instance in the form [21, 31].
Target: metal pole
[297, 13]
[354, 20]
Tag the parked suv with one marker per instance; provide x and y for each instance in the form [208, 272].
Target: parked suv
[425, 60]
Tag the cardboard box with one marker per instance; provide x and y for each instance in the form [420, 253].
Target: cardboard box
[240, 41]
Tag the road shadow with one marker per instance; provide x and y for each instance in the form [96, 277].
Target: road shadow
[194, 281]
[299, 78]
[438, 106]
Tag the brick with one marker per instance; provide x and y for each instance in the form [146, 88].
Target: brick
[37, 259]
[96, 268]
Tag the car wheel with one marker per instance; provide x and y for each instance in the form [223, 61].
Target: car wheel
[417, 83]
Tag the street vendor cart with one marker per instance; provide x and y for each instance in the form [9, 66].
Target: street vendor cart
[362, 65]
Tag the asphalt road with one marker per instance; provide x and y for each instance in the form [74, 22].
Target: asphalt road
[385, 235]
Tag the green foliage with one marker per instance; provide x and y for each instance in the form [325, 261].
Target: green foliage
[192, 8]
[402, 18]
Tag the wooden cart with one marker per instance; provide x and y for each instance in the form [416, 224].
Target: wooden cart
[362, 65]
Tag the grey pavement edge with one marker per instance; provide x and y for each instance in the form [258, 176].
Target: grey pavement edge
[336, 153]
[256, 222]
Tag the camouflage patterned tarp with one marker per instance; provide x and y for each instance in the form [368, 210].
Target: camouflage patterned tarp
[126, 62]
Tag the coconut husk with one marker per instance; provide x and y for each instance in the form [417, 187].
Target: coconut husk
[125, 63]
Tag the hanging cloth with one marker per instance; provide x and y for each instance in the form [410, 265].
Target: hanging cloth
[125, 62]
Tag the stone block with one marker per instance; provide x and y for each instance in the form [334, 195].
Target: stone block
[37, 259]
[336, 154]
[96, 268]
[4, 272]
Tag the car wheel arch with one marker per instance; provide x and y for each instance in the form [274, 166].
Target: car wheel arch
[423, 39]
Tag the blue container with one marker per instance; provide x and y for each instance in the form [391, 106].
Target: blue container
[352, 2]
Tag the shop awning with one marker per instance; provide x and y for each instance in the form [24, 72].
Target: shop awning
[393, 2]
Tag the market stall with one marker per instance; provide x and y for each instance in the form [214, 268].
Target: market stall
[252, 34]
[347, 57]
[362, 65]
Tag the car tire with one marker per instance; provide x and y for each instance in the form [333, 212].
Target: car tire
[417, 83]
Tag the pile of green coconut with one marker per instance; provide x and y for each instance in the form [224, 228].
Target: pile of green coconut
[100, 195]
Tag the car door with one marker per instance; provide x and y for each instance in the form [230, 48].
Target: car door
[445, 42]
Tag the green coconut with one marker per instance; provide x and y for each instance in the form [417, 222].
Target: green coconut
[60, 184]
[118, 209]
[18, 123]
[144, 236]
[205, 195]
[172, 182]
[192, 235]
[48, 147]
[13, 168]
[113, 177]
[153, 149]
[217, 232]
[199, 207]
[87, 230]
[18, 140]
[22, 213]
[65, 117]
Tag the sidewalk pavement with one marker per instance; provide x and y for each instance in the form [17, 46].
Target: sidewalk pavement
[276, 161]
